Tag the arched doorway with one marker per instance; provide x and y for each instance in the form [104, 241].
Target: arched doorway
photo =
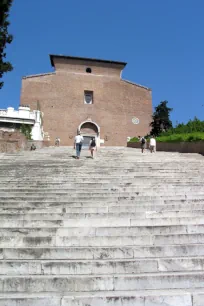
[88, 130]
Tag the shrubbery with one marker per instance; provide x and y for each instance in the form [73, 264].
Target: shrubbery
[192, 126]
[192, 131]
[188, 137]
[26, 130]
[134, 139]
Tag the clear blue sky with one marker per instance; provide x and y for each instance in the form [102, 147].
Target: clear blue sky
[161, 40]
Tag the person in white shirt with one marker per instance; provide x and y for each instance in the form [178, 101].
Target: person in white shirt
[78, 141]
[152, 144]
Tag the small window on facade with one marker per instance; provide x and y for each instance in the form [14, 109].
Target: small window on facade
[88, 70]
[88, 97]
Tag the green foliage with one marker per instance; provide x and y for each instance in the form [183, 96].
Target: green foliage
[182, 137]
[188, 137]
[26, 130]
[161, 121]
[191, 126]
[5, 37]
[192, 131]
[134, 139]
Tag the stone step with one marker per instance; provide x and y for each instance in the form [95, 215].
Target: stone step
[122, 178]
[153, 211]
[56, 283]
[174, 214]
[112, 170]
[95, 198]
[56, 210]
[156, 182]
[108, 267]
[100, 184]
[112, 192]
[131, 187]
[80, 215]
[110, 188]
[102, 194]
[191, 297]
[91, 231]
[64, 206]
[102, 191]
[49, 241]
[96, 183]
[69, 176]
[96, 241]
[155, 208]
[104, 222]
[52, 161]
[67, 216]
[142, 183]
[105, 253]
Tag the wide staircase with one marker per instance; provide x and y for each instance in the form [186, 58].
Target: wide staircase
[123, 229]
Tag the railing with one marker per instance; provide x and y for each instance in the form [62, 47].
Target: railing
[17, 114]
[3, 112]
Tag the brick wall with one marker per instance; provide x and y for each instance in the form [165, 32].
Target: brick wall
[11, 142]
[61, 99]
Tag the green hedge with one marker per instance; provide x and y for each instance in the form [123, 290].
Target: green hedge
[187, 137]
[192, 126]
[184, 137]
[134, 139]
[26, 129]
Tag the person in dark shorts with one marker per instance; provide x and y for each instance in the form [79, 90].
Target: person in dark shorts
[33, 147]
[143, 143]
[57, 141]
[92, 146]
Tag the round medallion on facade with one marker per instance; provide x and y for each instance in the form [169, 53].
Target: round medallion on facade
[135, 120]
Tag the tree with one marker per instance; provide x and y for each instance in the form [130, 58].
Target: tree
[5, 37]
[191, 126]
[161, 122]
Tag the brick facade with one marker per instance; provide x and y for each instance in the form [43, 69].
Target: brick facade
[60, 96]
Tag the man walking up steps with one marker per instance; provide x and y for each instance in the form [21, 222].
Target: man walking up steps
[78, 144]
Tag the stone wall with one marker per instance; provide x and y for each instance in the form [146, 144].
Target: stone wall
[8, 146]
[182, 147]
[11, 142]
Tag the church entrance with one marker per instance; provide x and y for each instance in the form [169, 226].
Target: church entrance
[89, 130]
[86, 142]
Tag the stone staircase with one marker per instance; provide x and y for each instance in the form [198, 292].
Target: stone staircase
[124, 229]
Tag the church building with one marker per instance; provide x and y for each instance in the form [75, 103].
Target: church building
[90, 96]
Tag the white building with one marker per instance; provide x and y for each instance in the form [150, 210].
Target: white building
[11, 119]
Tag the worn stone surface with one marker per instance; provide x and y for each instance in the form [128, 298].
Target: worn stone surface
[123, 229]
[198, 299]
[182, 147]
[184, 300]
